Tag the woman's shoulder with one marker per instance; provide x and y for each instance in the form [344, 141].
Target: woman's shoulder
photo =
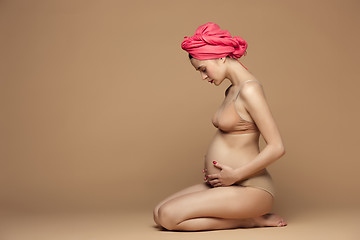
[252, 90]
[251, 85]
[251, 82]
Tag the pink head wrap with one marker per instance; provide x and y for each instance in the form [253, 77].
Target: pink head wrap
[210, 42]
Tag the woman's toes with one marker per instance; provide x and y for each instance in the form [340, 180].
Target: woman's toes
[282, 223]
[271, 220]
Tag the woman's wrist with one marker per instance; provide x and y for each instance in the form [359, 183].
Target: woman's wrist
[240, 173]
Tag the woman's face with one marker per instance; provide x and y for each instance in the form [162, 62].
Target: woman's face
[212, 70]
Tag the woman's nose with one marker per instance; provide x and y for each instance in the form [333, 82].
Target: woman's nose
[203, 75]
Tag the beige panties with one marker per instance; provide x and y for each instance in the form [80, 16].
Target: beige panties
[262, 181]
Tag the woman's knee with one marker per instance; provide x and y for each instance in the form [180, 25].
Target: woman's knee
[155, 215]
[167, 217]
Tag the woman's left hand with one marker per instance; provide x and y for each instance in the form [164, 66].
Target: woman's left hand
[226, 177]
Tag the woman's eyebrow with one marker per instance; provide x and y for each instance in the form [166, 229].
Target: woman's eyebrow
[198, 67]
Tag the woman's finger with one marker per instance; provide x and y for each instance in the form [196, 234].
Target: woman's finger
[214, 175]
[214, 181]
[218, 165]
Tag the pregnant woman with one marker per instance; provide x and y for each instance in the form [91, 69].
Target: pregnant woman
[238, 190]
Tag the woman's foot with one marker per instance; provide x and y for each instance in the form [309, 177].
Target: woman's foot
[269, 220]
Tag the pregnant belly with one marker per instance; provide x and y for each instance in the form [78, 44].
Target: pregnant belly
[224, 150]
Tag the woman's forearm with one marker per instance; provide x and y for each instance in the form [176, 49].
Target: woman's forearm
[267, 156]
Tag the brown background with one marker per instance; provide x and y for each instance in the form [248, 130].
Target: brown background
[101, 109]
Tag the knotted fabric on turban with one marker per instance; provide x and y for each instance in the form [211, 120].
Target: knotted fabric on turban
[210, 42]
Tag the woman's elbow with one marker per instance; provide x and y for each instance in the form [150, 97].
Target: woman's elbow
[283, 152]
[280, 149]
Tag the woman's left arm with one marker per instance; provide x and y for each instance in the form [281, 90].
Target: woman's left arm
[256, 104]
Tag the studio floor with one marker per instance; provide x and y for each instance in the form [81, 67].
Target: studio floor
[338, 223]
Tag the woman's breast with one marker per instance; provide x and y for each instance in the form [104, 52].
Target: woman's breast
[233, 150]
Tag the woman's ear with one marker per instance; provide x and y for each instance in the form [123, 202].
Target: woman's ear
[223, 59]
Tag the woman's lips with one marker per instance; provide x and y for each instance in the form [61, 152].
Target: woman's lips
[211, 81]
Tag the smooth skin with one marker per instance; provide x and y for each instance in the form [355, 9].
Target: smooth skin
[217, 203]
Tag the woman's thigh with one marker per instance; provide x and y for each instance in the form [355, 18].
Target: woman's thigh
[232, 202]
[194, 188]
